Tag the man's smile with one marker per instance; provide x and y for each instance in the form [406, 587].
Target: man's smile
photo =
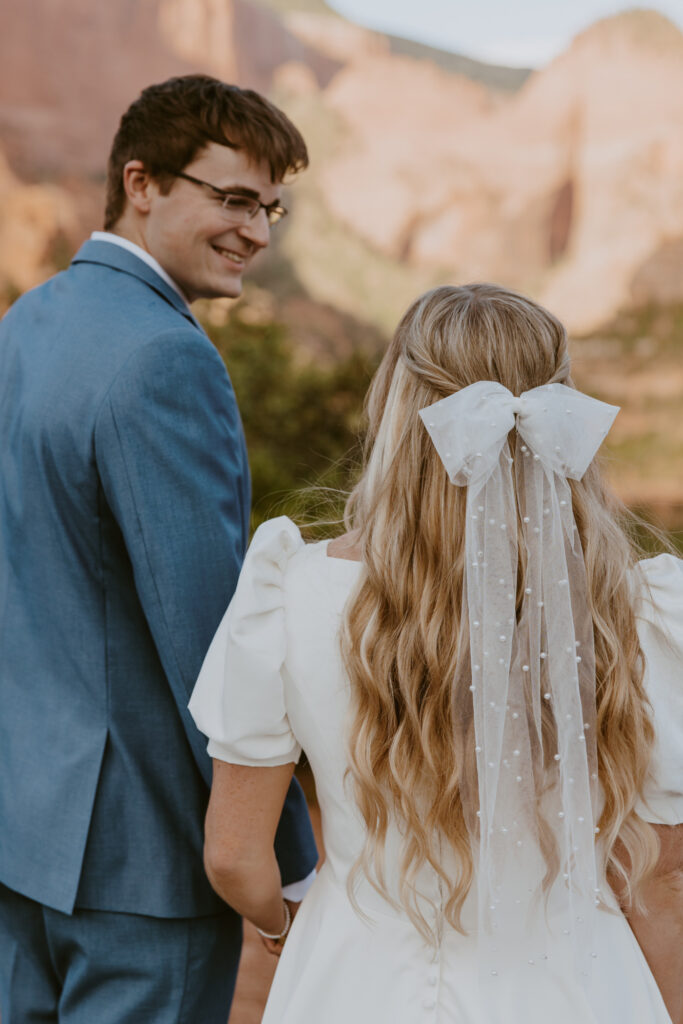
[239, 259]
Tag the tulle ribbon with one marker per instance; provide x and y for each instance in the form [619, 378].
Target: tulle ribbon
[527, 661]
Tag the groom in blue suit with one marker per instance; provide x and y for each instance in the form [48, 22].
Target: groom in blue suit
[124, 511]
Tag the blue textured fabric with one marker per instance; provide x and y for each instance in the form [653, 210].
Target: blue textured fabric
[97, 967]
[124, 503]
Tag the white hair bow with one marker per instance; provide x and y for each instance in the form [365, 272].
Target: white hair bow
[527, 653]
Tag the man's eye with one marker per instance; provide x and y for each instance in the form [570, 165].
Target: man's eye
[238, 203]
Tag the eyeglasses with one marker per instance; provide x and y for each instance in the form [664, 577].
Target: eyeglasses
[240, 208]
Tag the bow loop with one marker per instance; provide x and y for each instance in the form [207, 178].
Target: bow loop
[469, 429]
[564, 427]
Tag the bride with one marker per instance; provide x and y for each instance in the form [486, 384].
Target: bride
[487, 685]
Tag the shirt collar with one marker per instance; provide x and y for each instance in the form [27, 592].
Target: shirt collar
[142, 254]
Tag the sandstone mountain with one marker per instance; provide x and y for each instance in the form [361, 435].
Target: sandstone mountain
[69, 67]
[570, 187]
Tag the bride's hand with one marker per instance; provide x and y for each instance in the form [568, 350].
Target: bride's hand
[658, 928]
[274, 946]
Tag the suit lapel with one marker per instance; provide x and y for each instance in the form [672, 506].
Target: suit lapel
[110, 255]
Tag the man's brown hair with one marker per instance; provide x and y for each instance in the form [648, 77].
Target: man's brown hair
[171, 122]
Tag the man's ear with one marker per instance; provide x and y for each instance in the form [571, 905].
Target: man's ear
[138, 185]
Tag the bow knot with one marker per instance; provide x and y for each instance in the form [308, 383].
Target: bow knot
[563, 428]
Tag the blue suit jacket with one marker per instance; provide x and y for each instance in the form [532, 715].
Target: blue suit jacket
[124, 507]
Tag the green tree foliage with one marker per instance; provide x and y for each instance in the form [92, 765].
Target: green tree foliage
[302, 420]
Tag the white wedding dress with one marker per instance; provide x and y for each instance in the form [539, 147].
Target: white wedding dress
[273, 683]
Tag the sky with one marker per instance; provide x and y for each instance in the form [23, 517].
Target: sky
[521, 33]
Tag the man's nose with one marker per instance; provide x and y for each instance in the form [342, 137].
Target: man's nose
[257, 230]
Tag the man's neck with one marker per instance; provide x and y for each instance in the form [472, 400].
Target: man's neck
[123, 239]
[131, 229]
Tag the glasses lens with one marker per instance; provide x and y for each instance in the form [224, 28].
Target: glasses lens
[240, 207]
[275, 214]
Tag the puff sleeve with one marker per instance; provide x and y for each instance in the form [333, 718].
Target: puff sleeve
[239, 700]
[659, 612]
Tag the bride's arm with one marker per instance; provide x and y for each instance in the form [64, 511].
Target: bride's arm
[659, 930]
[241, 821]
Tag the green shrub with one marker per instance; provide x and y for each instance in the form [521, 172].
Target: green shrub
[302, 420]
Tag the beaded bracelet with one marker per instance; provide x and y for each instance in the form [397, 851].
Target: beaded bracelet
[283, 933]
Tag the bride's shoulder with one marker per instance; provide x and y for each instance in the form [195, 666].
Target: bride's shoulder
[658, 586]
[278, 539]
[659, 616]
[279, 542]
[658, 593]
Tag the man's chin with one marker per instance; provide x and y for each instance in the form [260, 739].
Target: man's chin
[231, 289]
[229, 286]
[234, 291]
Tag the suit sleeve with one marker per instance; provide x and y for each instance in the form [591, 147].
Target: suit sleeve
[171, 456]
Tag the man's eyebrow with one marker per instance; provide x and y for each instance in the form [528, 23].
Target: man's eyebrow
[239, 190]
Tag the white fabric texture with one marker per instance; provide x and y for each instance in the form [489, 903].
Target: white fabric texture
[659, 583]
[273, 683]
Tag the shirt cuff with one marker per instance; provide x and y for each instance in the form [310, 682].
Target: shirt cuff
[295, 891]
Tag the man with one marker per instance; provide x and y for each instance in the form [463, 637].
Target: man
[124, 508]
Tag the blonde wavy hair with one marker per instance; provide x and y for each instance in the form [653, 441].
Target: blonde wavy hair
[409, 760]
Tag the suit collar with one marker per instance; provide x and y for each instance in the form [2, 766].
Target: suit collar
[118, 258]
